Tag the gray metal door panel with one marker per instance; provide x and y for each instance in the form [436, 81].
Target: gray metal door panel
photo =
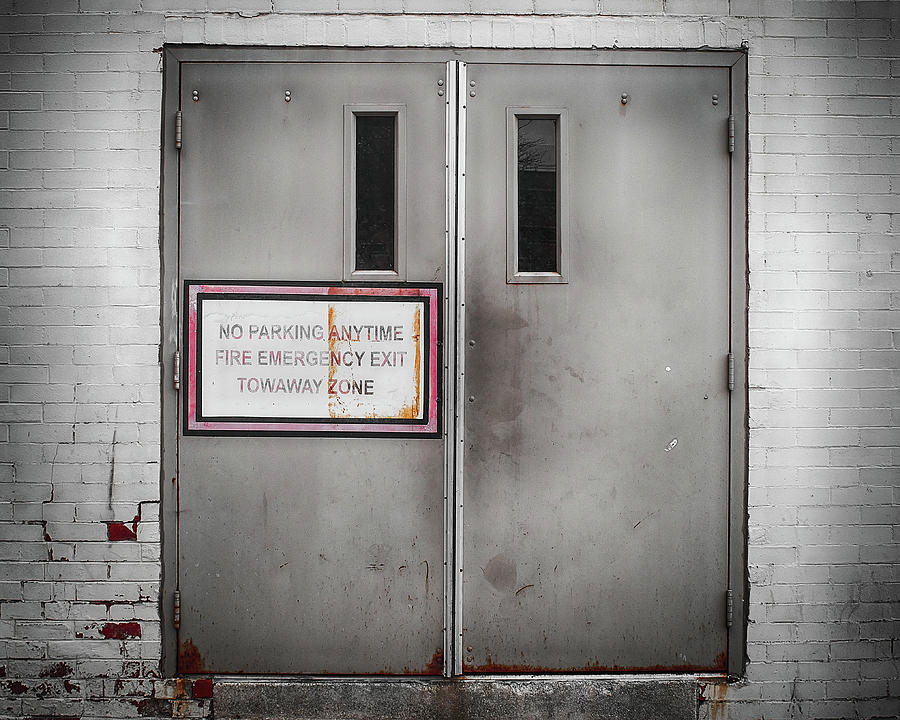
[596, 449]
[304, 555]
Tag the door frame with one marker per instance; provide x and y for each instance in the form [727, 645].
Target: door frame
[455, 92]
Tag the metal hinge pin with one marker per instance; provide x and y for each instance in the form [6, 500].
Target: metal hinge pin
[731, 133]
[178, 125]
[729, 608]
[176, 370]
[176, 610]
[730, 372]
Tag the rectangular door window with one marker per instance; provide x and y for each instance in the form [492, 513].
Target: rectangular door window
[537, 196]
[375, 193]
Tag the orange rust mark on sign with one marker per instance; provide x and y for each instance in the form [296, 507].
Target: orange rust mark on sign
[334, 402]
[411, 411]
[189, 658]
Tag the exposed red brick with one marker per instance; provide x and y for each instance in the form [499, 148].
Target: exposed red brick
[120, 531]
[153, 707]
[121, 631]
[57, 670]
[203, 688]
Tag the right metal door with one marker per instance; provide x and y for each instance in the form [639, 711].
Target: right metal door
[596, 422]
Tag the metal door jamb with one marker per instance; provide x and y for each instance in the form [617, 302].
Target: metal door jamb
[450, 367]
[459, 149]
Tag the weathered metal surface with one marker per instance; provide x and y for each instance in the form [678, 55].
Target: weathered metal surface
[531, 699]
[304, 555]
[596, 451]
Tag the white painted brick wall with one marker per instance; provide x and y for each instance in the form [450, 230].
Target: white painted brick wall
[80, 94]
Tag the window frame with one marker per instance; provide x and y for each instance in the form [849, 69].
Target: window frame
[351, 272]
[513, 275]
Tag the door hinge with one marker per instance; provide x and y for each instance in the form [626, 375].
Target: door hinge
[178, 122]
[729, 608]
[731, 133]
[730, 372]
[176, 610]
[176, 370]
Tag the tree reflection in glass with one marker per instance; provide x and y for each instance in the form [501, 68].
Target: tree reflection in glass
[537, 194]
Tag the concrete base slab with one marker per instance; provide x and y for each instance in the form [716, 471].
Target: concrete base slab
[462, 699]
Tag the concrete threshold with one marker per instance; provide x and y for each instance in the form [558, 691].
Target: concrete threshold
[481, 698]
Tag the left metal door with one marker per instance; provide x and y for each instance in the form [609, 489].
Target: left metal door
[298, 554]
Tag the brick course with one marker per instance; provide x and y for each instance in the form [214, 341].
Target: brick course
[80, 96]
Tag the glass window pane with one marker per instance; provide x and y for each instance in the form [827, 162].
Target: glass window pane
[537, 194]
[375, 191]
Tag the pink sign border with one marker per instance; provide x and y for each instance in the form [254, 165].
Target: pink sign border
[194, 426]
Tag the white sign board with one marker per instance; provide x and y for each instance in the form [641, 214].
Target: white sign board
[301, 359]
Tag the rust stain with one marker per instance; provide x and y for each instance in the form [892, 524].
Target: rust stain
[411, 411]
[121, 631]
[436, 665]
[335, 408]
[717, 699]
[189, 658]
[491, 667]
[181, 688]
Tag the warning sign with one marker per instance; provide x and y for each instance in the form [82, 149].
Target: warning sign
[293, 359]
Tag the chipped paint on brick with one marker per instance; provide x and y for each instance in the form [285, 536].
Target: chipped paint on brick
[153, 707]
[121, 631]
[71, 687]
[116, 531]
[56, 670]
[203, 688]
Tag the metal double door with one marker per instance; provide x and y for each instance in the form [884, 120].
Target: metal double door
[574, 515]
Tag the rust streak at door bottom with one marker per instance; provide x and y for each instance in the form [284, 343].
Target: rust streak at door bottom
[189, 658]
[490, 667]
